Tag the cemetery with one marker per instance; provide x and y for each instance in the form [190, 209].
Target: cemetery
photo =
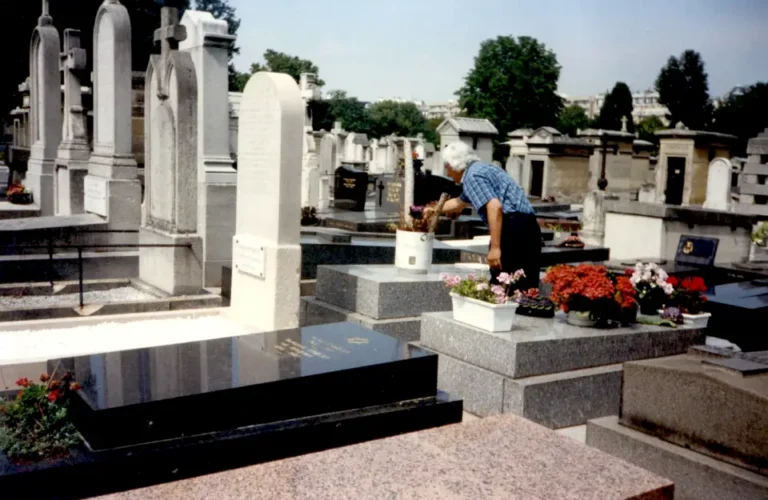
[201, 294]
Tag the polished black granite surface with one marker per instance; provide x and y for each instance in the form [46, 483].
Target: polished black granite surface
[740, 313]
[179, 390]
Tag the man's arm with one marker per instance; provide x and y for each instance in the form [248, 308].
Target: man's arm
[454, 205]
[495, 213]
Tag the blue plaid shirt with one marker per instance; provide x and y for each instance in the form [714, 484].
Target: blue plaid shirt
[483, 182]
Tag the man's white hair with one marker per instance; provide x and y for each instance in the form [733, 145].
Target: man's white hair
[459, 156]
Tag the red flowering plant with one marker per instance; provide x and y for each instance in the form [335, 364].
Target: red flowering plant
[34, 425]
[18, 195]
[589, 288]
[688, 295]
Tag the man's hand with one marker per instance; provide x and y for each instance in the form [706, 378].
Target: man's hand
[494, 258]
[428, 212]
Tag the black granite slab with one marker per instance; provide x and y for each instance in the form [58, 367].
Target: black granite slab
[740, 313]
[168, 392]
[86, 473]
[550, 256]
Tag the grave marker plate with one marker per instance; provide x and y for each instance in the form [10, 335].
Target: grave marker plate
[696, 250]
[95, 195]
[250, 258]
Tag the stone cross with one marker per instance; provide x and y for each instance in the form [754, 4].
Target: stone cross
[623, 123]
[73, 62]
[169, 35]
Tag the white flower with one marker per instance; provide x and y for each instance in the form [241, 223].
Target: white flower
[668, 289]
[647, 276]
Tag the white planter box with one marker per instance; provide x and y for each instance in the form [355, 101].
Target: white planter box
[482, 315]
[413, 251]
[699, 320]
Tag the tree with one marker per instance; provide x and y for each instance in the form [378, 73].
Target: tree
[340, 107]
[647, 128]
[683, 88]
[280, 62]
[618, 104]
[399, 118]
[513, 84]
[572, 119]
[743, 115]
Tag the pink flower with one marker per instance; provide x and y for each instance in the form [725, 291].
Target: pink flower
[472, 277]
[504, 278]
[519, 274]
[481, 287]
[451, 281]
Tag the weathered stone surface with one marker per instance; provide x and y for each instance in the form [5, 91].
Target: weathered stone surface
[696, 476]
[538, 346]
[691, 402]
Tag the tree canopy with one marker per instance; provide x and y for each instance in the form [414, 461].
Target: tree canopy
[618, 104]
[647, 127]
[744, 115]
[340, 107]
[399, 118]
[279, 62]
[81, 15]
[683, 88]
[513, 84]
[572, 119]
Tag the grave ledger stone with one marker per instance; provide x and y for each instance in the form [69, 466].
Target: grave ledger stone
[112, 188]
[267, 251]
[208, 42]
[179, 409]
[45, 111]
[169, 213]
[74, 150]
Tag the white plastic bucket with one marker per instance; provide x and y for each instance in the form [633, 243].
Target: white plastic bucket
[413, 251]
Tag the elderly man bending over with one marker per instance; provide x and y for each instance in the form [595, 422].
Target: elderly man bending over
[503, 206]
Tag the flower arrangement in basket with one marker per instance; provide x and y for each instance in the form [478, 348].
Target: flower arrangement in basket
[591, 295]
[485, 305]
[18, 195]
[652, 285]
[34, 425]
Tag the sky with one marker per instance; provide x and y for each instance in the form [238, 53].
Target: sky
[423, 49]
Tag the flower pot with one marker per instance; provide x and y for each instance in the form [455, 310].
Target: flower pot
[650, 307]
[698, 320]
[482, 315]
[580, 318]
[413, 251]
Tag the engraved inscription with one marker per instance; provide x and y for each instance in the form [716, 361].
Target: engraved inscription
[313, 348]
[394, 192]
[95, 200]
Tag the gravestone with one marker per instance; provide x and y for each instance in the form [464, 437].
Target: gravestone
[208, 42]
[393, 157]
[267, 251]
[74, 150]
[389, 194]
[410, 181]
[326, 171]
[351, 188]
[719, 185]
[310, 172]
[169, 213]
[112, 188]
[44, 111]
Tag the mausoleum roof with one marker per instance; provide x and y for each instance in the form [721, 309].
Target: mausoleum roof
[478, 126]
[613, 134]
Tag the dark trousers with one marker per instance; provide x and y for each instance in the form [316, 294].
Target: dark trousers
[520, 249]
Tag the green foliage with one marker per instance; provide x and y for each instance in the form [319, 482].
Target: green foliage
[683, 88]
[647, 128]
[399, 118]
[35, 426]
[513, 84]
[340, 107]
[572, 119]
[760, 235]
[618, 104]
[478, 289]
[280, 62]
[744, 116]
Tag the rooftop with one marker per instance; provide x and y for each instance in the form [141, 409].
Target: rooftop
[470, 126]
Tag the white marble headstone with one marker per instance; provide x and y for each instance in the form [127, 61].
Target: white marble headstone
[719, 184]
[267, 251]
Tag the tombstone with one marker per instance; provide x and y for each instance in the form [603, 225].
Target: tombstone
[310, 192]
[351, 188]
[267, 251]
[421, 152]
[44, 111]
[169, 213]
[719, 185]
[377, 163]
[593, 218]
[208, 42]
[392, 157]
[390, 194]
[515, 168]
[112, 188]
[74, 150]
[326, 172]
[410, 182]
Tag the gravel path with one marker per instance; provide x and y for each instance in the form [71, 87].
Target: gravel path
[29, 346]
[122, 294]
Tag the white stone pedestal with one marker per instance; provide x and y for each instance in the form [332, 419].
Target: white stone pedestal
[264, 276]
[175, 271]
[69, 185]
[39, 181]
[216, 224]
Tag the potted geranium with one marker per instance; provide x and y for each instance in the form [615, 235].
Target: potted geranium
[591, 296]
[18, 195]
[478, 302]
[653, 289]
[531, 303]
[688, 297]
[34, 425]
[415, 236]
